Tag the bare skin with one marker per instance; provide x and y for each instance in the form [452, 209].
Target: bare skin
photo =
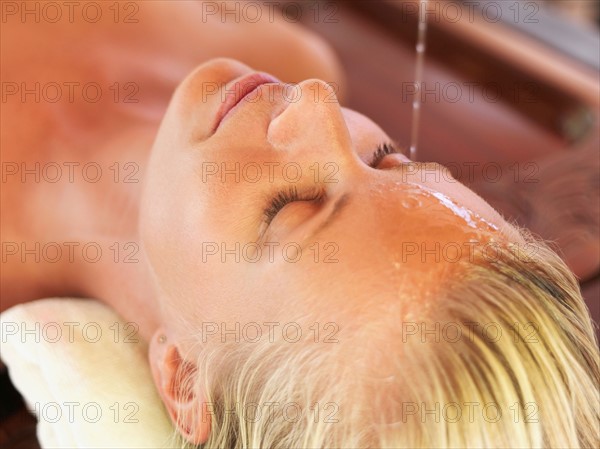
[108, 131]
[116, 131]
[370, 212]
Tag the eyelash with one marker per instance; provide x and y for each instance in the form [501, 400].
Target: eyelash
[284, 197]
[382, 151]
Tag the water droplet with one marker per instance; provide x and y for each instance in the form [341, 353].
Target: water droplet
[459, 211]
[472, 237]
[410, 202]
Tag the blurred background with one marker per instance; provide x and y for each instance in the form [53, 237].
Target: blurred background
[506, 83]
[584, 11]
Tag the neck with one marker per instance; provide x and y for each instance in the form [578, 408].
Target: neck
[120, 276]
[125, 285]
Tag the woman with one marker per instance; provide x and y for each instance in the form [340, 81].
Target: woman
[301, 283]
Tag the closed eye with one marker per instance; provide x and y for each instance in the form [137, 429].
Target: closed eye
[284, 197]
[381, 152]
[287, 196]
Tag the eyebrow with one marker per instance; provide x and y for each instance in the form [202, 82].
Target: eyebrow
[337, 208]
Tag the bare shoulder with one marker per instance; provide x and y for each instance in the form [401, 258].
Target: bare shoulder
[255, 33]
[169, 38]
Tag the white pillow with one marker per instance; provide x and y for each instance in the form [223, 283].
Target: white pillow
[80, 369]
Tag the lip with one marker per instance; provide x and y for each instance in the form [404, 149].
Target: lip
[236, 90]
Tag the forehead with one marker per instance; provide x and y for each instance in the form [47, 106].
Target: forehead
[388, 246]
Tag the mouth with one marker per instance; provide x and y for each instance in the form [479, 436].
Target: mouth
[237, 90]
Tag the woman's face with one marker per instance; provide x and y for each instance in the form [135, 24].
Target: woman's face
[282, 209]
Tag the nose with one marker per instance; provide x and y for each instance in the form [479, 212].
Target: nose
[312, 126]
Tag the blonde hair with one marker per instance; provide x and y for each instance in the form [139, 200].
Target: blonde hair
[508, 357]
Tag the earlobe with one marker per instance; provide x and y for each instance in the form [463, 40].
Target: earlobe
[174, 378]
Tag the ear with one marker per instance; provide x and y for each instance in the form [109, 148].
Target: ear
[173, 377]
